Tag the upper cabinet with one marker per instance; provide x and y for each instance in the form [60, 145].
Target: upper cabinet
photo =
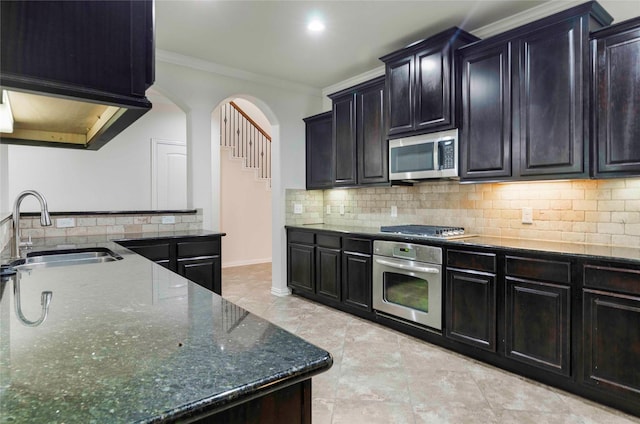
[319, 151]
[420, 82]
[525, 100]
[616, 99]
[359, 135]
[75, 72]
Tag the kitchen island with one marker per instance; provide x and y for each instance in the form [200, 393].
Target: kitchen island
[129, 341]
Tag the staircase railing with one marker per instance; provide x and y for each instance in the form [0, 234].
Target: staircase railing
[246, 138]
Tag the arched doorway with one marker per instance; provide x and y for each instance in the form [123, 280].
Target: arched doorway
[245, 182]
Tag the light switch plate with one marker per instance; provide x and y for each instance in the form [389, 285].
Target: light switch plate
[328, 209]
[527, 215]
[169, 219]
[394, 211]
[297, 208]
[65, 222]
[341, 209]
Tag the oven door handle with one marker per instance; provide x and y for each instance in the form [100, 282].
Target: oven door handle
[426, 269]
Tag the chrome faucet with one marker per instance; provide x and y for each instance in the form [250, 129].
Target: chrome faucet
[45, 219]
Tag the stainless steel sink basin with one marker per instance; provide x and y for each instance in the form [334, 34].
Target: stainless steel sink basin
[51, 258]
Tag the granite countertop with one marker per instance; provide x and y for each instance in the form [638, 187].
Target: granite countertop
[129, 341]
[592, 251]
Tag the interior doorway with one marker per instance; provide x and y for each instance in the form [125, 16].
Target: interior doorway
[245, 183]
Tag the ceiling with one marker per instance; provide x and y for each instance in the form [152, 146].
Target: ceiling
[269, 38]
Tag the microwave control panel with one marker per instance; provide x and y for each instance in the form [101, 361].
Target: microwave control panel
[447, 161]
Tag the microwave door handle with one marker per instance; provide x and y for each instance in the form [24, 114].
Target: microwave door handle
[440, 155]
[425, 269]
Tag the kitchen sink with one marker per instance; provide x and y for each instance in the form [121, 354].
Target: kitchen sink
[66, 257]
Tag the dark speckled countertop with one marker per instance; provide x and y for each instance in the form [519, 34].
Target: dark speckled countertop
[592, 251]
[129, 341]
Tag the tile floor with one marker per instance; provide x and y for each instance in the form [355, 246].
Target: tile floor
[383, 376]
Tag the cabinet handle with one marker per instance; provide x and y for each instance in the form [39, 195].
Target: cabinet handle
[428, 270]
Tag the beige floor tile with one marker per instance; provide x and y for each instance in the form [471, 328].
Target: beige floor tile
[383, 376]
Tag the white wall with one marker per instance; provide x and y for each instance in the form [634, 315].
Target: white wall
[245, 216]
[116, 177]
[4, 181]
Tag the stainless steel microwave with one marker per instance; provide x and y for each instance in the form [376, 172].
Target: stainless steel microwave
[424, 156]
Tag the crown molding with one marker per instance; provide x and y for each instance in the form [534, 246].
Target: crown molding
[355, 80]
[227, 71]
[524, 17]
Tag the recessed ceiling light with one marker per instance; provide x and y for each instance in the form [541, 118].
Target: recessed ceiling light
[315, 25]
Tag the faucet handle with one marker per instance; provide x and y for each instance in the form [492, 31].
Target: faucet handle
[27, 243]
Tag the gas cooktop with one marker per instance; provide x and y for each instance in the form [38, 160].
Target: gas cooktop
[433, 231]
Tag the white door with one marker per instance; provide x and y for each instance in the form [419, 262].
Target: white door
[168, 175]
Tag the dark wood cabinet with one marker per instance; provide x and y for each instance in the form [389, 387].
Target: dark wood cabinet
[301, 267]
[344, 138]
[356, 277]
[98, 52]
[328, 266]
[319, 151]
[197, 258]
[359, 135]
[205, 271]
[616, 100]
[470, 299]
[420, 84]
[331, 269]
[538, 313]
[371, 134]
[611, 308]
[485, 135]
[546, 64]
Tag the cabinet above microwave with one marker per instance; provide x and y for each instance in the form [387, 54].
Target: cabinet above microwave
[75, 73]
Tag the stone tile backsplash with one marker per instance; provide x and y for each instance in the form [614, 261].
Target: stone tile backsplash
[87, 225]
[588, 211]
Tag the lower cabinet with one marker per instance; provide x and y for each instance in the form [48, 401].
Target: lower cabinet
[470, 299]
[197, 258]
[330, 269]
[611, 344]
[356, 274]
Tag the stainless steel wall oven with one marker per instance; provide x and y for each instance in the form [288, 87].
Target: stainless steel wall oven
[407, 282]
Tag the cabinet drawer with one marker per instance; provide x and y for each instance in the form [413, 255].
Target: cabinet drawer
[618, 279]
[472, 260]
[539, 269]
[330, 241]
[302, 237]
[357, 245]
[198, 248]
[155, 252]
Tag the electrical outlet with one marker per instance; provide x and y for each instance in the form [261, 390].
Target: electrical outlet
[297, 208]
[527, 215]
[328, 209]
[394, 211]
[341, 209]
[65, 222]
[169, 219]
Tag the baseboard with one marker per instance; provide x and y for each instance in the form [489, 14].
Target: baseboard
[244, 263]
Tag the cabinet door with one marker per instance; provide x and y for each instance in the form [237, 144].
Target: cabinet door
[433, 88]
[372, 144]
[204, 271]
[553, 89]
[485, 136]
[328, 272]
[356, 281]
[617, 103]
[301, 267]
[612, 343]
[344, 133]
[319, 151]
[400, 103]
[471, 308]
[538, 324]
